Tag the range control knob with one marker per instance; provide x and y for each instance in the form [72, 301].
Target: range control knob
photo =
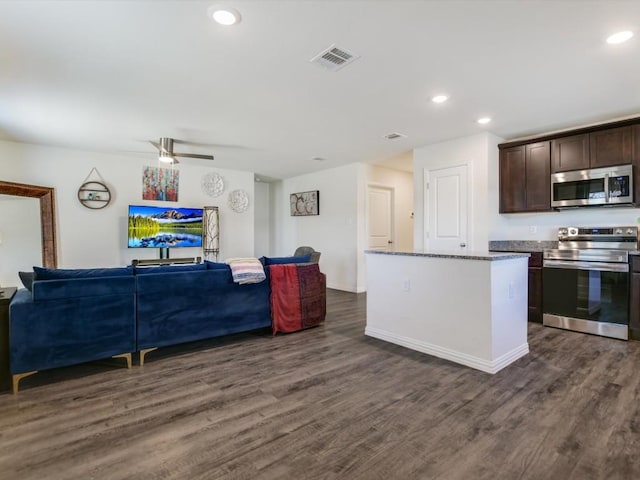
[618, 231]
[573, 231]
[630, 231]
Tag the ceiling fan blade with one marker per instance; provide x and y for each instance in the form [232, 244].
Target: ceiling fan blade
[161, 149]
[193, 155]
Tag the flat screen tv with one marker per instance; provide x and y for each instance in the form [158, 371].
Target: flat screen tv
[164, 227]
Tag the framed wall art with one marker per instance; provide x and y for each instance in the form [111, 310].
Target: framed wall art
[160, 184]
[305, 203]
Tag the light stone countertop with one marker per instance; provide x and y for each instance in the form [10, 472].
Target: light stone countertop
[521, 245]
[475, 255]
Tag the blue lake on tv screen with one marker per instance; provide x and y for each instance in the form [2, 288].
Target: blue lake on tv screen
[167, 240]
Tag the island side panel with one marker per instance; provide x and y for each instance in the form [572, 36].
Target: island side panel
[509, 292]
[445, 312]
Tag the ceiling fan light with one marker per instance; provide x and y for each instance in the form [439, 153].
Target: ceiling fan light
[166, 159]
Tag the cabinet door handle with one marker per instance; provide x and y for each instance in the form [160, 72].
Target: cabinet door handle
[463, 245]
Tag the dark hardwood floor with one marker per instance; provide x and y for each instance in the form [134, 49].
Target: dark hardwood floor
[331, 403]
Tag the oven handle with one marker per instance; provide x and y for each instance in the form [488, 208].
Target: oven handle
[597, 266]
[606, 188]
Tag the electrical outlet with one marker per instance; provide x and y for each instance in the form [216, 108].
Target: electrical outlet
[512, 289]
[533, 229]
[406, 285]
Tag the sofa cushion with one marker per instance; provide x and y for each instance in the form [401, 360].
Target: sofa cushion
[215, 265]
[27, 279]
[170, 268]
[60, 273]
[284, 260]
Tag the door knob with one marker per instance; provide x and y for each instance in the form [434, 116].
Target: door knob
[463, 245]
[389, 241]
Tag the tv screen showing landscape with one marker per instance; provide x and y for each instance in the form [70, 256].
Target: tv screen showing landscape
[164, 227]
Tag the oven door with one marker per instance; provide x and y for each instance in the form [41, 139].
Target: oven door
[590, 297]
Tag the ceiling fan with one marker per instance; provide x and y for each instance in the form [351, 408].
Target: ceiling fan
[167, 155]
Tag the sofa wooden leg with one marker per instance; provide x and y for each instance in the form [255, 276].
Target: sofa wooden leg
[19, 376]
[143, 352]
[126, 356]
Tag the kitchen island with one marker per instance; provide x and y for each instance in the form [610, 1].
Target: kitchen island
[469, 308]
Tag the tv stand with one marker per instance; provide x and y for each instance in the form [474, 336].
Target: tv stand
[166, 261]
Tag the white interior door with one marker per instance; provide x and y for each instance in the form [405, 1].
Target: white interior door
[446, 209]
[380, 218]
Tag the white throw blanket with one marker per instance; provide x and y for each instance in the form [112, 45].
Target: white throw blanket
[246, 270]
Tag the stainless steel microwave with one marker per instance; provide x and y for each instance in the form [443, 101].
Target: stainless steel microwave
[596, 186]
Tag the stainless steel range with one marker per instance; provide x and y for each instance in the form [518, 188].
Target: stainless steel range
[586, 280]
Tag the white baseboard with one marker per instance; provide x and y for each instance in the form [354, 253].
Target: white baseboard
[484, 365]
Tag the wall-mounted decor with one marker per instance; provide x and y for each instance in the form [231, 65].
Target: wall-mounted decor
[211, 233]
[239, 201]
[94, 194]
[305, 203]
[160, 184]
[212, 184]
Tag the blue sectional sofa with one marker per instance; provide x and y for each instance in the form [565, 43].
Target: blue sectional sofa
[70, 320]
[76, 316]
[177, 306]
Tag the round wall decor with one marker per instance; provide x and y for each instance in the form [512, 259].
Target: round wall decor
[212, 184]
[94, 195]
[239, 201]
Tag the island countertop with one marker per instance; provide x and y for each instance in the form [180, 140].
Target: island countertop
[473, 255]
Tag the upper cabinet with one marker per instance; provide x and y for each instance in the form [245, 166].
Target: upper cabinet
[526, 166]
[611, 147]
[570, 153]
[525, 179]
[512, 174]
[538, 177]
[602, 148]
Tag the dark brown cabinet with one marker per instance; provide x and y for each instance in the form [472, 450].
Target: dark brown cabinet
[525, 166]
[610, 147]
[570, 153]
[538, 176]
[535, 287]
[512, 174]
[635, 160]
[603, 148]
[634, 299]
[525, 183]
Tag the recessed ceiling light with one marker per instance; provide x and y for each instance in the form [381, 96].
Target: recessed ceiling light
[318, 159]
[484, 120]
[619, 37]
[224, 15]
[439, 98]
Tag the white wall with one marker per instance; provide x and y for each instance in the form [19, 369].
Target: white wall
[94, 238]
[478, 152]
[20, 238]
[262, 220]
[334, 232]
[402, 185]
[544, 226]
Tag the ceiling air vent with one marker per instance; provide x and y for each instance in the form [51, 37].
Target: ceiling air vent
[394, 136]
[334, 58]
